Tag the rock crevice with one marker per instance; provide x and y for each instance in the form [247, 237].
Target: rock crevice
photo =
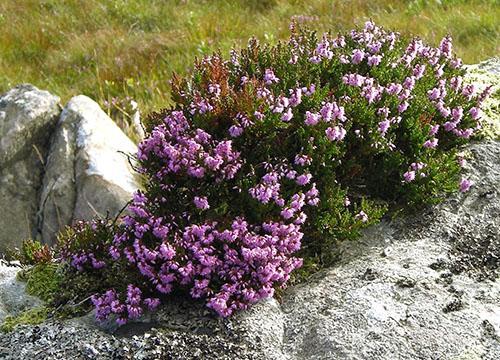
[57, 167]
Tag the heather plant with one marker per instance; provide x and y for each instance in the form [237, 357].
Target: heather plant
[269, 159]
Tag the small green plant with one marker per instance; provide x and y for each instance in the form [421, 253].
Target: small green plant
[44, 281]
[32, 252]
[32, 316]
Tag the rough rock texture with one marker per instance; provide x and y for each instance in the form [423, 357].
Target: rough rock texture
[27, 118]
[13, 298]
[482, 75]
[87, 172]
[58, 167]
[425, 287]
[419, 288]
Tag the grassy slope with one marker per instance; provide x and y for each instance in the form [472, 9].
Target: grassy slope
[120, 48]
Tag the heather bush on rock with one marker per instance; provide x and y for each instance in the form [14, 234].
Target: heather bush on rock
[270, 158]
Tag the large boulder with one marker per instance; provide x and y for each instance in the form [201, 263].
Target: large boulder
[27, 119]
[57, 167]
[88, 173]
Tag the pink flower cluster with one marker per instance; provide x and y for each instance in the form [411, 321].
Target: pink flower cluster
[235, 174]
[174, 148]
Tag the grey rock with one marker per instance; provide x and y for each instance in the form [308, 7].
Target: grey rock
[27, 118]
[406, 310]
[13, 297]
[88, 173]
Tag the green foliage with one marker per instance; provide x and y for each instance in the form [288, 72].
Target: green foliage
[32, 316]
[44, 281]
[32, 252]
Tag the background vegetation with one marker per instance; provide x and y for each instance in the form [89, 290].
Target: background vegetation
[118, 50]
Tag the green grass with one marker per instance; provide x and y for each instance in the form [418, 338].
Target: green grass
[129, 49]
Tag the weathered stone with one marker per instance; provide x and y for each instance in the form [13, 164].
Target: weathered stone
[483, 75]
[27, 118]
[13, 298]
[88, 173]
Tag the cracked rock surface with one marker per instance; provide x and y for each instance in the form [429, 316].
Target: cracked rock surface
[27, 117]
[87, 171]
[424, 287]
[57, 167]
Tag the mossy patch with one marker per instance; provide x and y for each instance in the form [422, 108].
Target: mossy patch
[43, 281]
[32, 316]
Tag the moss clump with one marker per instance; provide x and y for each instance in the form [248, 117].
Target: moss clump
[32, 316]
[43, 281]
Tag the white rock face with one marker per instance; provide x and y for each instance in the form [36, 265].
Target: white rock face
[88, 173]
[13, 298]
[58, 167]
[27, 119]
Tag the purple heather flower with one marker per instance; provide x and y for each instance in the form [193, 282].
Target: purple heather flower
[403, 106]
[270, 78]
[201, 202]
[287, 116]
[302, 160]
[419, 71]
[456, 82]
[446, 46]
[475, 113]
[235, 130]
[434, 129]
[311, 118]
[327, 111]
[465, 185]
[374, 60]
[394, 89]
[287, 213]
[457, 113]
[357, 56]
[152, 303]
[362, 216]
[409, 176]
[450, 125]
[431, 144]
[434, 94]
[214, 89]
[336, 133]
[456, 63]
[468, 91]
[303, 179]
[383, 126]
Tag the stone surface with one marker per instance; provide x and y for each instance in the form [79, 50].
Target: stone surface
[88, 173]
[13, 298]
[424, 287]
[27, 118]
[482, 75]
